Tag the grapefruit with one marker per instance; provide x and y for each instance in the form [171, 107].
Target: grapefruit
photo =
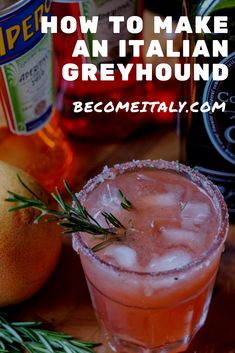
[28, 252]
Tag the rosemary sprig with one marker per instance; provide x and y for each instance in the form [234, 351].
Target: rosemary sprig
[73, 218]
[103, 244]
[110, 218]
[17, 337]
[195, 168]
[125, 203]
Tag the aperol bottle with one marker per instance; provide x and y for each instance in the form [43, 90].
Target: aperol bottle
[30, 137]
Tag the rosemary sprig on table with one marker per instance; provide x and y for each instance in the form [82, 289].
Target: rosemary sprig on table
[17, 337]
[73, 218]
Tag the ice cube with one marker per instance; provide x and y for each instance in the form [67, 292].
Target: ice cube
[174, 259]
[110, 200]
[97, 215]
[161, 200]
[175, 189]
[123, 255]
[198, 211]
[188, 224]
[110, 196]
[181, 236]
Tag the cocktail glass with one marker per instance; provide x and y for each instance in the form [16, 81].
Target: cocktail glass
[154, 311]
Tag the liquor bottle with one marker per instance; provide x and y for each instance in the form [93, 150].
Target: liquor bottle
[30, 137]
[165, 8]
[98, 126]
[208, 139]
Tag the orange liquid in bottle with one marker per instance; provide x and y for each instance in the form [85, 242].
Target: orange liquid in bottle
[46, 155]
[29, 135]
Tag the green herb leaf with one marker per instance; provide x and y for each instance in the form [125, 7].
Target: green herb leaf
[21, 337]
[73, 218]
[183, 205]
[102, 245]
[110, 218]
[125, 203]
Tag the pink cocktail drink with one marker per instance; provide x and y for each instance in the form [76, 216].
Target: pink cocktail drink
[151, 290]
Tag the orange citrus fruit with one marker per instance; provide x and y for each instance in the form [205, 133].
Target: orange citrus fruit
[28, 251]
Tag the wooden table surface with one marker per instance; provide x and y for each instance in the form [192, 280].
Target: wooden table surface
[64, 302]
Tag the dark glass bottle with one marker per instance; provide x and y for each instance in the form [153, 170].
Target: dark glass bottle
[208, 139]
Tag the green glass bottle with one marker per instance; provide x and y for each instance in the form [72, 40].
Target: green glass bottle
[208, 139]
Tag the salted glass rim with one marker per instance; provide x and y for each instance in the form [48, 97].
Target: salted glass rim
[191, 174]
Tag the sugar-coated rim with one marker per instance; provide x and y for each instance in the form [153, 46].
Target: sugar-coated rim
[196, 177]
